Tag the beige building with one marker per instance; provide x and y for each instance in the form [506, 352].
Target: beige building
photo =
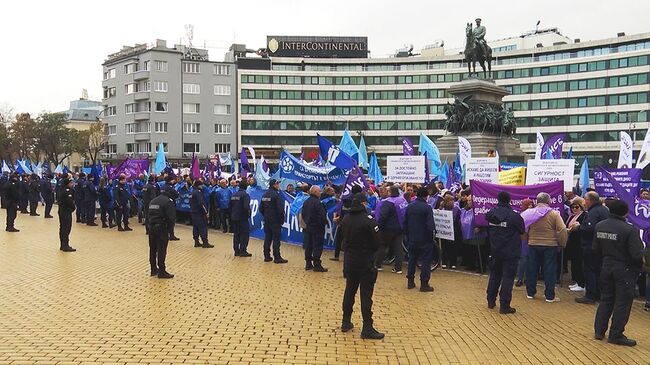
[81, 115]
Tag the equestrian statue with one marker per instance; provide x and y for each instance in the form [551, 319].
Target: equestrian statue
[477, 49]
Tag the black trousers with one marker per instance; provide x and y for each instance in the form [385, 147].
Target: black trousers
[240, 236]
[355, 280]
[226, 223]
[12, 212]
[48, 207]
[423, 252]
[158, 241]
[200, 227]
[90, 211]
[122, 215]
[22, 204]
[80, 211]
[32, 207]
[214, 220]
[105, 212]
[65, 226]
[591, 268]
[502, 277]
[394, 241]
[313, 245]
[616, 297]
[449, 253]
[338, 243]
[272, 234]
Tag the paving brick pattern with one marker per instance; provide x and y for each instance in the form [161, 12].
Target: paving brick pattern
[99, 305]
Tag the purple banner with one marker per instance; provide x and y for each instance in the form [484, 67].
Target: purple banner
[629, 179]
[554, 144]
[484, 196]
[639, 214]
[407, 146]
[130, 168]
[355, 177]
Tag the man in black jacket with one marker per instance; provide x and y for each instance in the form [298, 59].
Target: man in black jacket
[173, 194]
[90, 197]
[121, 204]
[149, 192]
[620, 246]
[162, 214]
[391, 213]
[65, 200]
[79, 197]
[48, 194]
[272, 208]
[596, 212]
[240, 209]
[23, 190]
[420, 230]
[34, 194]
[504, 232]
[11, 196]
[315, 218]
[199, 216]
[360, 246]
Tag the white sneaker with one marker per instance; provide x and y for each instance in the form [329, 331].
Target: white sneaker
[556, 299]
[577, 288]
[530, 296]
[396, 271]
[380, 269]
[573, 285]
[444, 266]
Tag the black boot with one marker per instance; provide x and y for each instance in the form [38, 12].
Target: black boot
[411, 283]
[154, 271]
[424, 287]
[197, 243]
[127, 228]
[370, 333]
[309, 266]
[119, 228]
[165, 275]
[67, 249]
[206, 244]
[622, 341]
[346, 325]
[104, 225]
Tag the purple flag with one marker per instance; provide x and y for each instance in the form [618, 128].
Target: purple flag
[407, 146]
[243, 161]
[484, 196]
[639, 214]
[217, 168]
[130, 168]
[195, 172]
[627, 178]
[355, 177]
[554, 145]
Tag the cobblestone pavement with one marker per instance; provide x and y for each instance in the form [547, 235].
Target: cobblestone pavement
[99, 305]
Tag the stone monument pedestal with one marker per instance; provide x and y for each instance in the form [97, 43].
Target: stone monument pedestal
[508, 147]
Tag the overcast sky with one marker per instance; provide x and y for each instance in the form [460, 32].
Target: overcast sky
[51, 50]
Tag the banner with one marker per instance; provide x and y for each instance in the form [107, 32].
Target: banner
[405, 169]
[291, 168]
[129, 167]
[553, 146]
[639, 214]
[505, 166]
[444, 221]
[644, 156]
[465, 150]
[485, 169]
[407, 147]
[625, 154]
[516, 176]
[334, 154]
[544, 171]
[539, 144]
[484, 197]
[629, 179]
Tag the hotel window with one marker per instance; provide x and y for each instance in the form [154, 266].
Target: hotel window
[161, 106]
[222, 128]
[191, 108]
[130, 68]
[191, 128]
[221, 147]
[129, 128]
[160, 86]
[111, 149]
[222, 69]
[191, 148]
[160, 66]
[160, 127]
[191, 89]
[110, 111]
[191, 68]
[130, 108]
[221, 89]
[130, 88]
[109, 74]
[222, 109]
[112, 130]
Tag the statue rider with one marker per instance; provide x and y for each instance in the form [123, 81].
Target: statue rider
[479, 36]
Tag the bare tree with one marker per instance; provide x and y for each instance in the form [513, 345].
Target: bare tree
[97, 138]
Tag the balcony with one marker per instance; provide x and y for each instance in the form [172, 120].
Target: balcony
[142, 136]
[140, 75]
[141, 116]
[142, 95]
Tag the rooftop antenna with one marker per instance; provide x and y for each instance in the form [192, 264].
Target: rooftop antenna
[189, 31]
[537, 26]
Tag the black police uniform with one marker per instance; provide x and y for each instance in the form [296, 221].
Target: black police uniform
[591, 262]
[48, 196]
[162, 214]
[420, 228]
[504, 233]
[199, 217]
[34, 195]
[23, 189]
[360, 246]
[79, 200]
[11, 197]
[315, 217]
[346, 203]
[240, 213]
[90, 197]
[149, 192]
[121, 207]
[272, 208]
[620, 246]
[173, 194]
[65, 200]
[105, 211]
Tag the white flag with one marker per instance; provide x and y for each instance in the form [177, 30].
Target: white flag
[644, 157]
[540, 145]
[464, 150]
[625, 155]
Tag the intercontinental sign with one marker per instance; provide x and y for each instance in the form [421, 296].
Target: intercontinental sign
[317, 47]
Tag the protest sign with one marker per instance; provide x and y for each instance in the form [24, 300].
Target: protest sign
[629, 179]
[515, 176]
[484, 197]
[405, 169]
[444, 221]
[485, 169]
[544, 171]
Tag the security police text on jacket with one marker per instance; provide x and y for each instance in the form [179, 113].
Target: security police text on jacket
[619, 243]
[162, 211]
[504, 231]
[272, 207]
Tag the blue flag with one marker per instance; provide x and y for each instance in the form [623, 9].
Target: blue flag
[584, 176]
[433, 154]
[549, 155]
[458, 169]
[570, 154]
[294, 169]
[334, 154]
[363, 154]
[444, 174]
[161, 162]
[374, 172]
[347, 144]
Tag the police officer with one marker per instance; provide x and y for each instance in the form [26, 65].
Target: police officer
[240, 212]
[48, 195]
[23, 190]
[105, 204]
[199, 215]
[11, 197]
[315, 218]
[620, 246]
[346, 203]
[121, 196]
[34, 194]
[504, 232]
[65, 200]
[173, 194]
[162, 214]
[272, 208]
[79, 198]
[360, 246]
[90, 197]
[420, 229]
[149, 192]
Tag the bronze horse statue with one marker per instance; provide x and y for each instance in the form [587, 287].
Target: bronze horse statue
[473, 53]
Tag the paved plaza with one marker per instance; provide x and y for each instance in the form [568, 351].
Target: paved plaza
[99, 305]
